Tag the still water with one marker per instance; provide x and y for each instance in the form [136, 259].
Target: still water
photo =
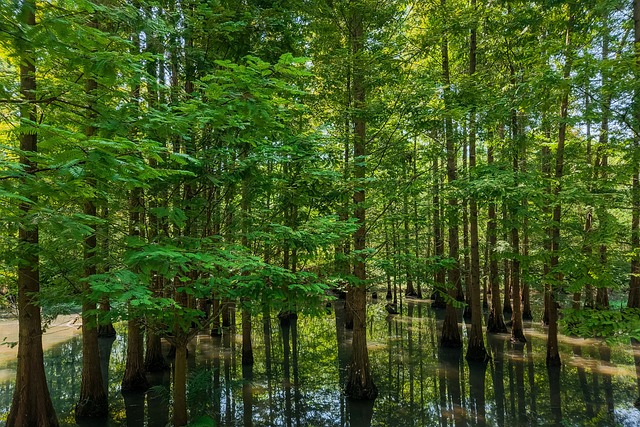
[300, 367]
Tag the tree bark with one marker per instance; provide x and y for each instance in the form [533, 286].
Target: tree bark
[553, 354]
[450, 332]
[476, 350]
[31, 404]
[517, 331]
[180, 386]
[634, 280]
[93, 401]
[495, 324]
[135, 378]
[360, 381]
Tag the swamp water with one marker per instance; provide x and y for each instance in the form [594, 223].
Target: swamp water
[299, 369]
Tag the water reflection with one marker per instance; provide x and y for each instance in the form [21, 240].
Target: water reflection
[301, 365]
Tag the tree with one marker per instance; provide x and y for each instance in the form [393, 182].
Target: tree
[31, 404]
[360, 381]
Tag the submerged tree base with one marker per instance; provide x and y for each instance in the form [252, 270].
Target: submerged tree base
[495, 324]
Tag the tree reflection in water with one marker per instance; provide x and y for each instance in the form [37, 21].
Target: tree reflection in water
[300, 369]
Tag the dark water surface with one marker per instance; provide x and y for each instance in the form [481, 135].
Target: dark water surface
[300, 367]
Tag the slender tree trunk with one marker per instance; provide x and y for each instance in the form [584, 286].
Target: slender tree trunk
[180, 386]
[105, 328]
[476, 350]
[495, 323]
[135, 378]
[517, 331]
[93, 401]
[553, 354]
[360, 381]
[466, 259]
[438, 239]
[546, 210]
[31, 404]
[507, 270]
[409, 290]
[450, 332]
[634, 281]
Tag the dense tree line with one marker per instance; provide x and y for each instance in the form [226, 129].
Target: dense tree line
[163, 161]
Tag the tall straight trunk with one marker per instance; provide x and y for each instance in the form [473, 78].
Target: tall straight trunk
[466, 259]
[409, 290]
[31, 404]
[105, 328]
[506, 267]
[553, 355]
[634, 280]
[517, 331]
[450, 332]
[135, 378]
[93, 401]
[438, 239]
[526, 292]
[360, 381]
[180, 385]
[545, 161]
[153, 359]
[247, 348]
[416, 234]
[495, 324]
[600, 176]
[476, 349]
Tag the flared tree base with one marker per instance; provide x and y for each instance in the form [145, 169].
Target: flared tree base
[448, 342]
[477, 354]
[92, 408]
[518, 336]
[411, 294]
[355, 390]
[135, 383]
[106, 331]
[496, 325]
[526, 315]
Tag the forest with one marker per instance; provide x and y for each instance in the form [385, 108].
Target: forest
[466, 172]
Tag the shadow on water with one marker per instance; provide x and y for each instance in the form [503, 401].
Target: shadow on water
[301, 366]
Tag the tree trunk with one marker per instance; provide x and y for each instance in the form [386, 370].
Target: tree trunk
[360, 382]
[450, 333]
[180, 386]
[476, 350]
[517, 331]
[135, 378]
[93, 402]
[553, 355]
[634, 281]
[31, 404]
[438, 239]
[495, 324]
[506, 266]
